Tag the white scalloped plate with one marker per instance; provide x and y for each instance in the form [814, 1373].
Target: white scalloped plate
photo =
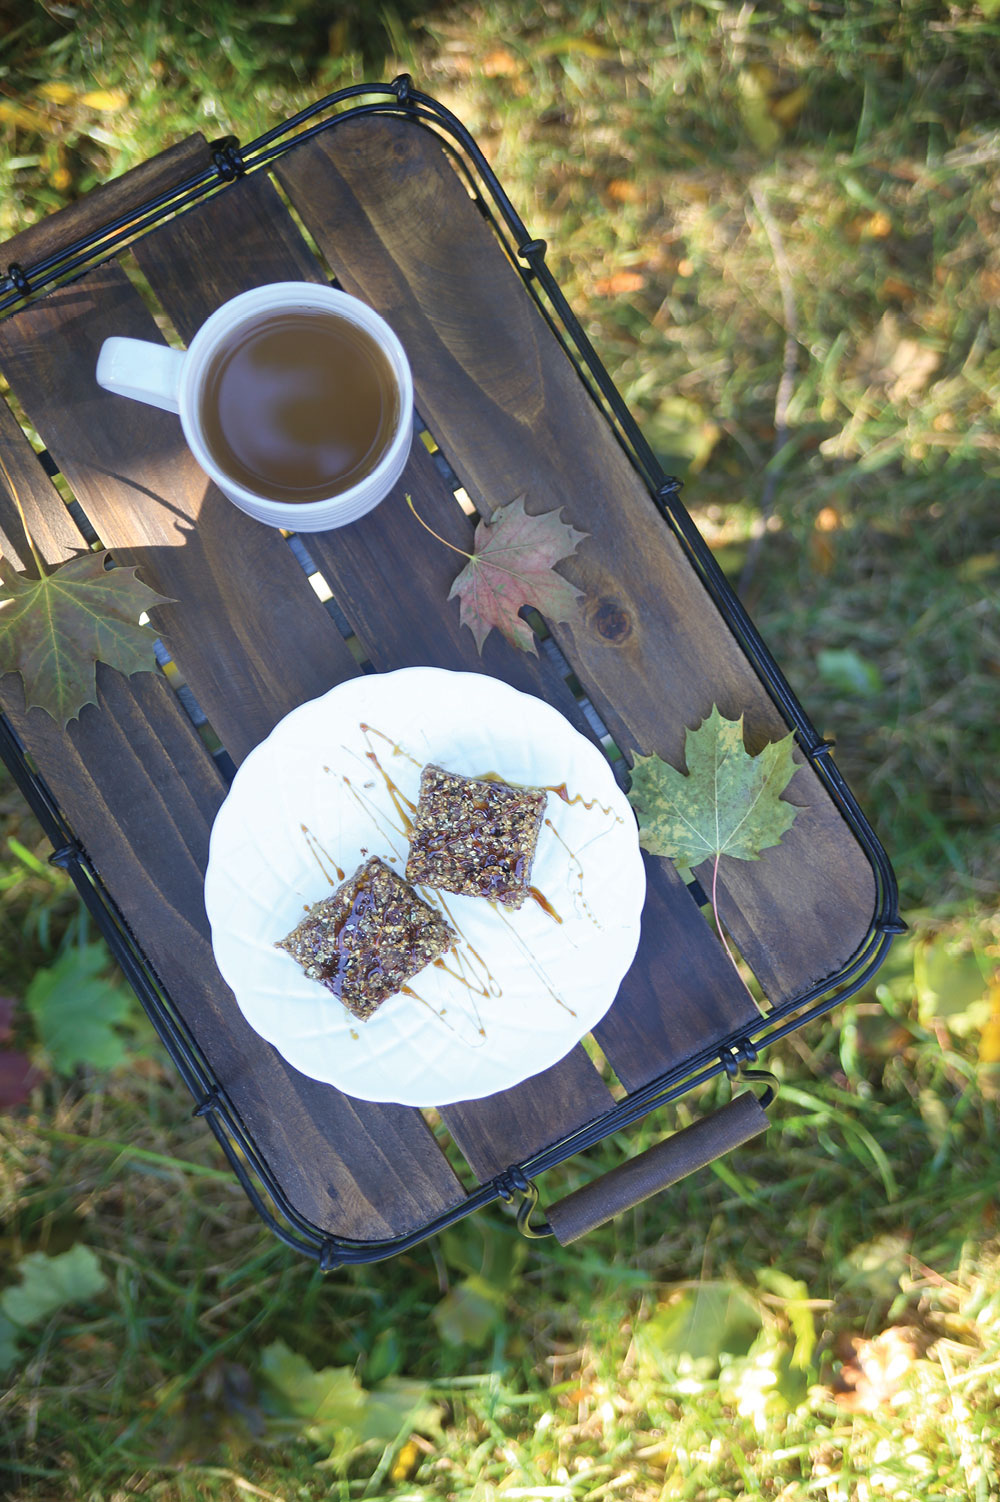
[328, 787]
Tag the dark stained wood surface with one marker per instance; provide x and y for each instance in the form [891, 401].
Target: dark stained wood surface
[253, 641]
[385, 591]
[122, 195]
[397, 226]
[506, 1129]
[392, 580]
[140, 791]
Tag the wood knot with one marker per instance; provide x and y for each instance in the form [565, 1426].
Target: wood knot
[611, 621]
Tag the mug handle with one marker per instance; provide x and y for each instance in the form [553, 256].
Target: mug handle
[144, 371]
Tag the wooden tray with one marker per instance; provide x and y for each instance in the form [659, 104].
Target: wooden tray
[382, 189]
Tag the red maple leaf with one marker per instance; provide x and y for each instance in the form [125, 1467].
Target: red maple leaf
[17, 1073]
[512, 564]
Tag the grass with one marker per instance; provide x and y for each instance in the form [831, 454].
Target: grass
[780, 226]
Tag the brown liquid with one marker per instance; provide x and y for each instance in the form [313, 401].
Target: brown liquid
[299, 405]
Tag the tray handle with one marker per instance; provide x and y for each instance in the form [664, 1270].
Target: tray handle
[657, 1168]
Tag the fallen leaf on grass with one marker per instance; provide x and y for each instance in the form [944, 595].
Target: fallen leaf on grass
[13, 113]
[49, 1283]
[618, 283]
[876, 226]
[566, 43]
[763, 130]
[407, 1462]
[330, 1407]
[55, 629]
[767, 107]
[798, 1311]
[17, 1073]
[822, 550]
[699, 1326]
[56, 91]
[624, 190]
[874, 1371]
[77, 1011]
[501, 64]
[105, 100]
[512, 564]
[469, 1313]
[951, 986]
[989, 1042]
[18, 1076]
[848, 672]
[900, 365]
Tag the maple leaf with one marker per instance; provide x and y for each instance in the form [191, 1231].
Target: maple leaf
[17, 1073]
[54, 630]
[728, 804]
[512, 564]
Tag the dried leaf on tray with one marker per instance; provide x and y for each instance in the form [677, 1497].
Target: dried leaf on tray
[513, 564]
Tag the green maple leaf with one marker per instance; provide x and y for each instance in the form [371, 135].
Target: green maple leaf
[729, 803]
[330, 1407]
[326, 1405]
[512, 564]
[55, 629]
[77, 1012]
[49, 1283]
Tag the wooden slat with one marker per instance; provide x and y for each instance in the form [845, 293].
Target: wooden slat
[247, 631]
[382, 570]
[392, 581]
[394, 220]
[507, 1129]
[122, 195]
[137, 786]
[54, 533]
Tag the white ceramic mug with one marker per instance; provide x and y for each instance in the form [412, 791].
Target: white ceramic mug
[174, 379]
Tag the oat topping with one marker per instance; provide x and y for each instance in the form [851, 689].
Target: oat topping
[475, 836]
[367, 940]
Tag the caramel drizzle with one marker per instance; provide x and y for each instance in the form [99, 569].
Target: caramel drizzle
[440, 1015]
[397, 750]
[561, 791]
[544, 903]
[367, 807]
[579, 874]
[532, 961]
[489, 980]
[403, 806]
[319, 853]
[464, 980]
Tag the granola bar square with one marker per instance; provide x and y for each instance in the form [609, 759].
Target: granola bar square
[475, 836]
[367, 940]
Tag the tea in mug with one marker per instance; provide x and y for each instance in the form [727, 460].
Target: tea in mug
[298, 405]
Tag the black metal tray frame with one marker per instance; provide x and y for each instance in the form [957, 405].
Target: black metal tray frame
[732, 1053]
